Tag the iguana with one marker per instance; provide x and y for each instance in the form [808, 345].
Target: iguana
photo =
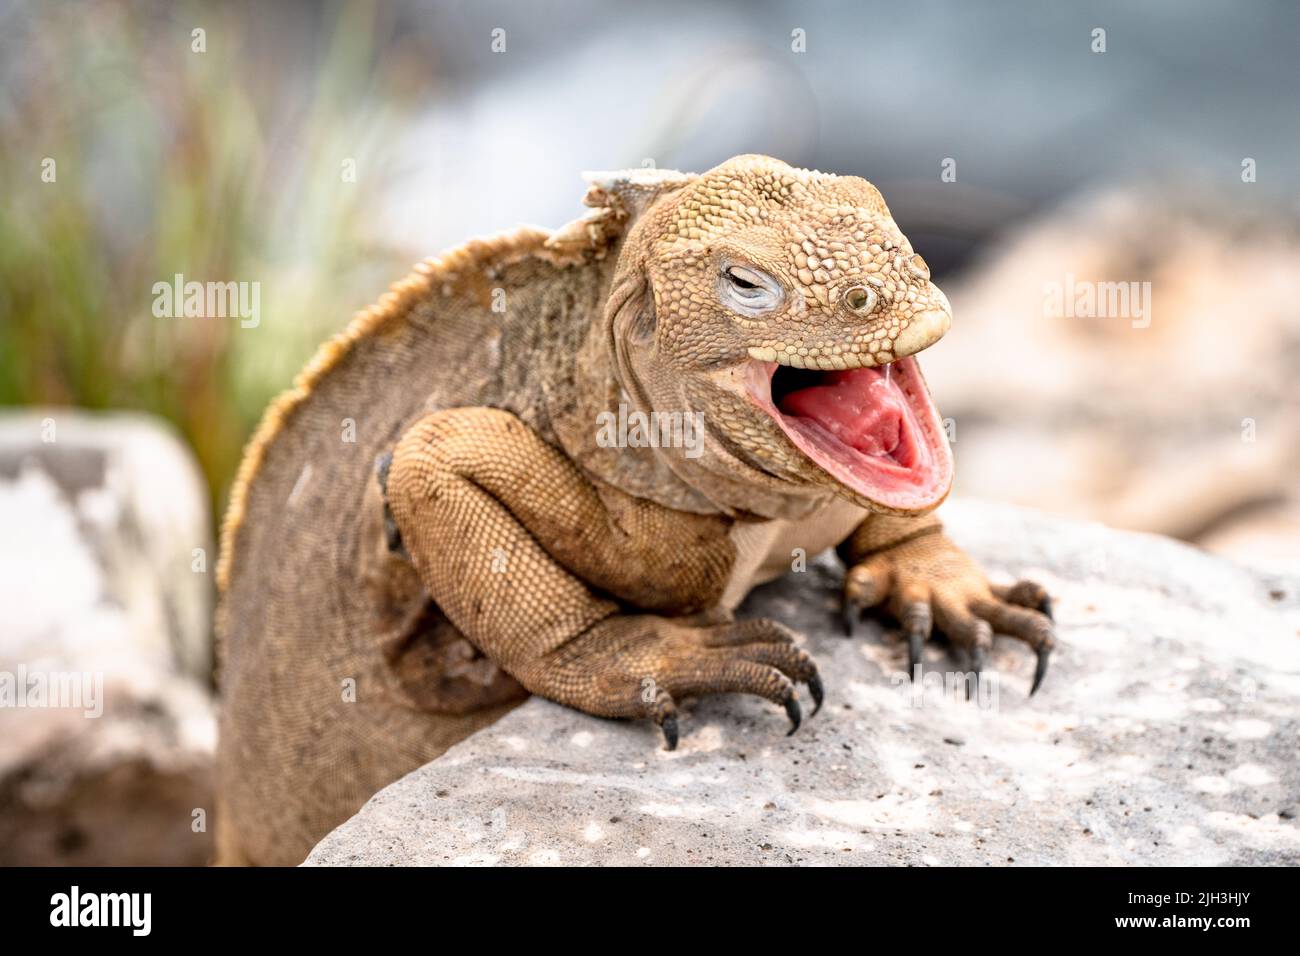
[438, 519]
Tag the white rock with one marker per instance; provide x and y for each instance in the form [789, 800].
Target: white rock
[100, 527]
[1117, 760]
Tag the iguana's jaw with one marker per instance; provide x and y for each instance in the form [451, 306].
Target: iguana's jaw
[877, 434]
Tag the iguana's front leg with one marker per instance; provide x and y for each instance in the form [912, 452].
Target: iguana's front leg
[527, 557]
[923, 579]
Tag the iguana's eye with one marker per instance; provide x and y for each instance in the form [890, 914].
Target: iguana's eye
[861, 299]
[743, 278]
[749, 291]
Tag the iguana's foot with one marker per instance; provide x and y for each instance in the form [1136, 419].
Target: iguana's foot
[928, 581]
[638, 666]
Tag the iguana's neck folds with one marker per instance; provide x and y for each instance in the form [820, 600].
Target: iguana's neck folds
[878, 435]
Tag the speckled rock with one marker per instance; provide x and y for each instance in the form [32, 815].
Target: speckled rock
[1166, 732]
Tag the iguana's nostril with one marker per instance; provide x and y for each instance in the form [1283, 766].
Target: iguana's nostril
[919, 267]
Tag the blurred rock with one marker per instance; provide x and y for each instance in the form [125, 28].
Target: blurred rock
[1183, 420]
[1164, 733]
[106, 724]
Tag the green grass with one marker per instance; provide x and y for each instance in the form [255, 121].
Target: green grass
[174, 161]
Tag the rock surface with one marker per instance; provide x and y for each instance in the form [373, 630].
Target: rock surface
[106, 721]
[1165, 733]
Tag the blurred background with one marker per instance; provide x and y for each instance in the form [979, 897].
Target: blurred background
[320, 149]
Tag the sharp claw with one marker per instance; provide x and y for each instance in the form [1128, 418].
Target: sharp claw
[1044, 653]
[852, 614]
[794, 713]
[670, 731]
[978, 658]
[1045, 607]
[818, 693]
[915, 641]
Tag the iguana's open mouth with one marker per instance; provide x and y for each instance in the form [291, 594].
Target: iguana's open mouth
[879, 434]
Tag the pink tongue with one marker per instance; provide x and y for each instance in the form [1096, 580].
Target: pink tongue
[858, 407]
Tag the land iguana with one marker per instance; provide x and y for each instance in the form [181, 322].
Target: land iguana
[429, 526]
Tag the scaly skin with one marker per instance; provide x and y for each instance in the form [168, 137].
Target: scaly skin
[478, 541]
[466, 482]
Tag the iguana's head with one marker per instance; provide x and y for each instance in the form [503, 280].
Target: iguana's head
[784, 305]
